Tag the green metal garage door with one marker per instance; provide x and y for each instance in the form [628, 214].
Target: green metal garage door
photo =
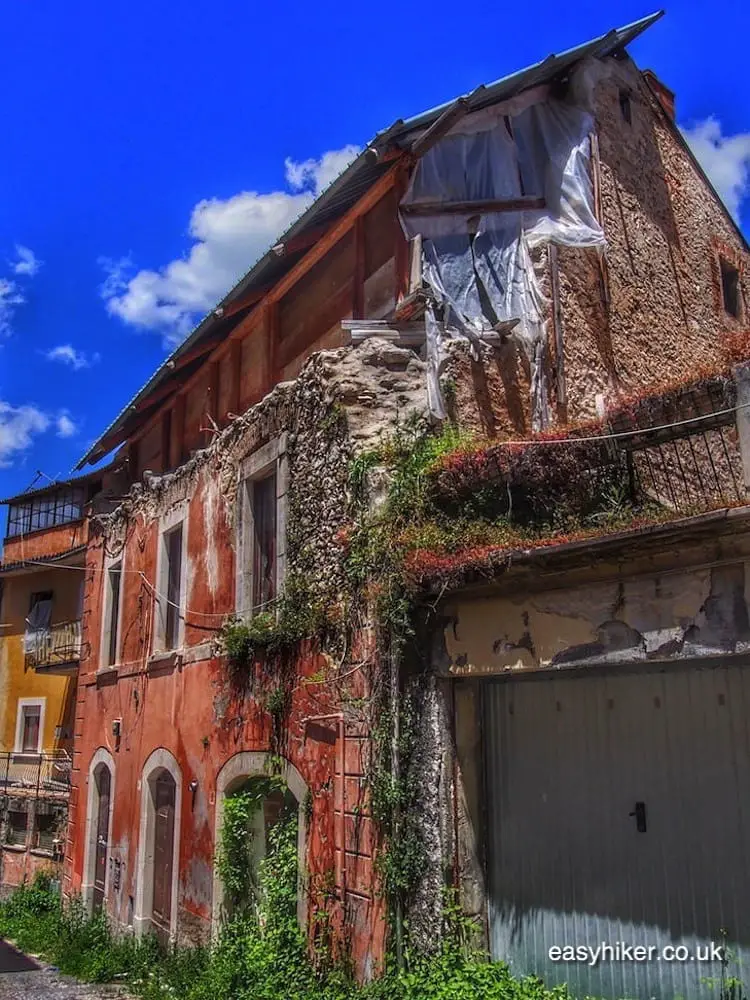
[619, 813]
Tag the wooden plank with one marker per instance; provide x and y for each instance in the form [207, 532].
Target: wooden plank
[522, 204]
[596, 182]
[358, 284]
[245, 301]
[302, 242]
[315, 254]
[166, 439]
[235, 371]
[557, 326]
[332, 311]
[272, 334]
[440, 127]
[213, 390]
[402, 244]
[178, 435]
[341, 228]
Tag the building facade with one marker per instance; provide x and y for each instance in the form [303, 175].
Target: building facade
[622, 270]
[41, 577]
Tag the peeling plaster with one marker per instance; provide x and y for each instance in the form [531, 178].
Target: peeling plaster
[684, 614]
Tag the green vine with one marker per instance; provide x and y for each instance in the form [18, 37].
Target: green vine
[237, 862]
[295, 616]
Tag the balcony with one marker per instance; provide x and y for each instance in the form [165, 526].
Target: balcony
[35, 774]
[55, 649]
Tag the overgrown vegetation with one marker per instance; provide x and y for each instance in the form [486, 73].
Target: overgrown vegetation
[295, 616]
[236, 855]
[259, 956]
[426, 510]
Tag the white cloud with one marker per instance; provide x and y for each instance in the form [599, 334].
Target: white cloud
[28, 263]
[26, 266]
[725, 158]
[68, 355]
[19, 425]
[65, 426]
[10, 298]
[317, 175]
[228, 235]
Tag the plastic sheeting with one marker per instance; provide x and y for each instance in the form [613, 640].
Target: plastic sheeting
[480, 269]
[37, 625]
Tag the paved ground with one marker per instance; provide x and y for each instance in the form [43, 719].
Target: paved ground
[22, 978]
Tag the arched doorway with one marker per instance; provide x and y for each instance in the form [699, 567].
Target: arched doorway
[103, 782]
[250, 770]
[164, 792]
[158, 846]
[98, 835]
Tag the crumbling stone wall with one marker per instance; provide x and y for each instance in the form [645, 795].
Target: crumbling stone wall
[343, 402]
[654, 312]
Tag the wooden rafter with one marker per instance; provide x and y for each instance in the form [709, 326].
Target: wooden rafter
[523, 203]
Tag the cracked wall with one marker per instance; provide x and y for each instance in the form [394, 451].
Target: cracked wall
[654, 314]
[343, 402]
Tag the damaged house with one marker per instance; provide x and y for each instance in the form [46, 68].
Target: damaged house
[437, 519]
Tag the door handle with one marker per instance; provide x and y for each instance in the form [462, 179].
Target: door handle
[640, 816]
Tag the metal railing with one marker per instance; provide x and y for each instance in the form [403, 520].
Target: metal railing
[35, 772]
[58, 644]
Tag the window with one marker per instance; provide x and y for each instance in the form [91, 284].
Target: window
[171, 581]
[264, 540]
[47, 828]
[46, 511]
[16, 827]
[111, 638]
[173, 552]
[30, 733]
[626, 109]
[730, 287]
[262, 534]
[29, 725]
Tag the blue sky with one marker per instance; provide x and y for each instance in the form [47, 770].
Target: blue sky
[152, 151]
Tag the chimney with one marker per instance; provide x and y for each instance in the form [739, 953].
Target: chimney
[661, 92]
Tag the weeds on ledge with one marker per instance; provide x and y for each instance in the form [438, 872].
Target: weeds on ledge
[295, 616]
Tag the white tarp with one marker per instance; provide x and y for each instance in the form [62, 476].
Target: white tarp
[37, 626]
[542, 151]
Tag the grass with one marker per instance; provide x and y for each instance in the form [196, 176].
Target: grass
[252, 960]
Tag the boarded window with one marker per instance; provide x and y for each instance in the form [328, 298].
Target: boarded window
[264, 540]
[173, 552]
[730, 288]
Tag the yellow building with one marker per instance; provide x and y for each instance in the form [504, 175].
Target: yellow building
[41, 590]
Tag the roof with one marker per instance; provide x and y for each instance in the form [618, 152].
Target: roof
[22, 564]
[55, 485]
[339, 197]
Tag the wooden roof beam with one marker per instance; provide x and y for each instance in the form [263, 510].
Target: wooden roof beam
[522, 204]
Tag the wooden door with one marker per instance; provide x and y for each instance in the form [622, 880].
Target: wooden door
[164, 808]
[103, 781]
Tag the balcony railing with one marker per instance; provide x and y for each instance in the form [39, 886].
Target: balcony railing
[35, 772]
[54, 646]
